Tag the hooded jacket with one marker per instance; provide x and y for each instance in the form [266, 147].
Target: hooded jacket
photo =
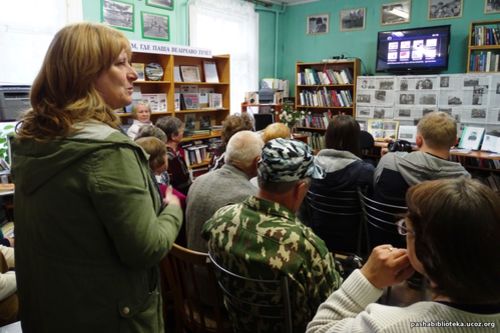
[396, 172]
[90, 232]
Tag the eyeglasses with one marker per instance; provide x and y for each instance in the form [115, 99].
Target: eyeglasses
[403, 229]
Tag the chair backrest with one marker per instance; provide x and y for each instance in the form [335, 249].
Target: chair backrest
[336, 219]
[254, 304]
[198, 301]
[381, 221]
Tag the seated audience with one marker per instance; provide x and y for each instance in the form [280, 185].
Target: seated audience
[177, 169]
[276, 130]
[141, 113]
[151, 130]
[231, 125]
[452, 231]
[229, 184]
[396, 172]
[345, 171]
[262, 237]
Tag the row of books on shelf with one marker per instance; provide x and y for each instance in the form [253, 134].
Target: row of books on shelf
[315, 140]
[200, 151]
[311, 76]
[482, 163]
[326, 98]
[194, 101]
[485, 61]
[484, 35]
[182, 73]
[316, 120]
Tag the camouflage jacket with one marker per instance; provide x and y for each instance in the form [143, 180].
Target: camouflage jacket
[262, 239]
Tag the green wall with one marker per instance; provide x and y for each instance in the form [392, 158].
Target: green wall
[295, 45]
[177, 17]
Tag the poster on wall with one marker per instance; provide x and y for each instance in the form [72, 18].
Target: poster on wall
[395, 12]
[445, 9]
[352, 19]
[165, 4]
[118, 14]
[317, 24]
[155, 26]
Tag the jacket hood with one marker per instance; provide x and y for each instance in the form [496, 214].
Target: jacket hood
[418, 166]
[332, 160]
[47, 159]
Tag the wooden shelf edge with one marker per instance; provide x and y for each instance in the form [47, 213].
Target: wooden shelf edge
[200, 110]
[151, 82]
[200, 137]
[125, 115]
[202, 83]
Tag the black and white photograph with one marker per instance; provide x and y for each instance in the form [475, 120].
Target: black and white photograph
[380, 95]
[118, 14]
[445, 110]
[364, 112]
[407, 99]
[454, 100]
[444, 82]
[471, 82]
[363, 98]
[378, 113]
[427, 99]
[498, 89]
[155, 26]
[491, 6]
[396, 12]
[478, 113]
[317, 24]
[445, 9]
[426, 111]
[386, 85]
[404, 113]
[165, 4]
[403, 85]
[352, 19]
[424, 84]
[478, 94]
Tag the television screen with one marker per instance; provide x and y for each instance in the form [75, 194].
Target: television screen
[418, 50]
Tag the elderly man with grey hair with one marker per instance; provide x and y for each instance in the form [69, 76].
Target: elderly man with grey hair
[229, 184]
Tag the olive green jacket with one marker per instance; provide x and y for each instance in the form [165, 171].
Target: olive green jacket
[90, 232]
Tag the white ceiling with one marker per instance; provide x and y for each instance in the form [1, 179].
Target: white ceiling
[289, 2]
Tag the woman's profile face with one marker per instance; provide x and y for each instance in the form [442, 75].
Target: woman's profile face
[115, 84]
[410, 246]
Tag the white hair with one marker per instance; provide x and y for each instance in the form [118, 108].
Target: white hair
[243, 148]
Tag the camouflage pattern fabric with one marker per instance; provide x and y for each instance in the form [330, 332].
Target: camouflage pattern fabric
[284, 160]
[262, 239]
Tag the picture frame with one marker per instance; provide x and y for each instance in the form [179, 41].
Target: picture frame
[190, 73]
[444, 9]
[318, 24]
[491, 6]
[395, 12]
[118, 14]
[165, 4]
[352, 19]
[155, 26]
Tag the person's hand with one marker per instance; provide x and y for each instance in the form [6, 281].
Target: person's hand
[170, 198]
[384, 151]
[387, 266]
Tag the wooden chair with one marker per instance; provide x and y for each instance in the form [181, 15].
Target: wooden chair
[343, 233]
[197, 299]
[381, 221]
[255, 304]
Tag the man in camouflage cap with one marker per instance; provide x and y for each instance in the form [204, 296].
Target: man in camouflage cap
[262, 238]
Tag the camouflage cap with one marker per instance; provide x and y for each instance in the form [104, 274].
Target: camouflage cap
[285, 160]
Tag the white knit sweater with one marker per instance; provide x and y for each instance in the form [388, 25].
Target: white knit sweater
[352, 309]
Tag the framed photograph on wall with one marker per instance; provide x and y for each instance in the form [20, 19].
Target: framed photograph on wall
[155, 26]
[118, 14]
[317, 24]
[491, 6]
[445, 9]
[395, 12]
[352, 19]
[165, 4]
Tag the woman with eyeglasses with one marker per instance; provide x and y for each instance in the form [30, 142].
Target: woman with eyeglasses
[452, 231]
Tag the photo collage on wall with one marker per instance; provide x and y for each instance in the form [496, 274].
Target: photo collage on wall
[154, 23]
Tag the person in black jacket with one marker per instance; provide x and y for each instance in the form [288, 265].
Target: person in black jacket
[345, 171]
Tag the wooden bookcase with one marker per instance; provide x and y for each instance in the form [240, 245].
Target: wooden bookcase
[313, 92]
[169, 86]
[483, 51]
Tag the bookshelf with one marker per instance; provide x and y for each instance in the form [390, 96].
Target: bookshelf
[483, 51]
[202, 116]
[325, 89]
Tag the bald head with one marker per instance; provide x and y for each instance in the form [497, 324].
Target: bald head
[243, 149]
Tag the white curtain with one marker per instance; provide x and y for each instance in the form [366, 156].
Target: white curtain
[229, 27]
[26, 30]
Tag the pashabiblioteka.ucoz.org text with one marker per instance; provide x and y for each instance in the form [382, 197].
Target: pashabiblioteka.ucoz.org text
[444, 323]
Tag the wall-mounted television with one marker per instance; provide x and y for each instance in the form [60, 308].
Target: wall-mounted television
[413, 51]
